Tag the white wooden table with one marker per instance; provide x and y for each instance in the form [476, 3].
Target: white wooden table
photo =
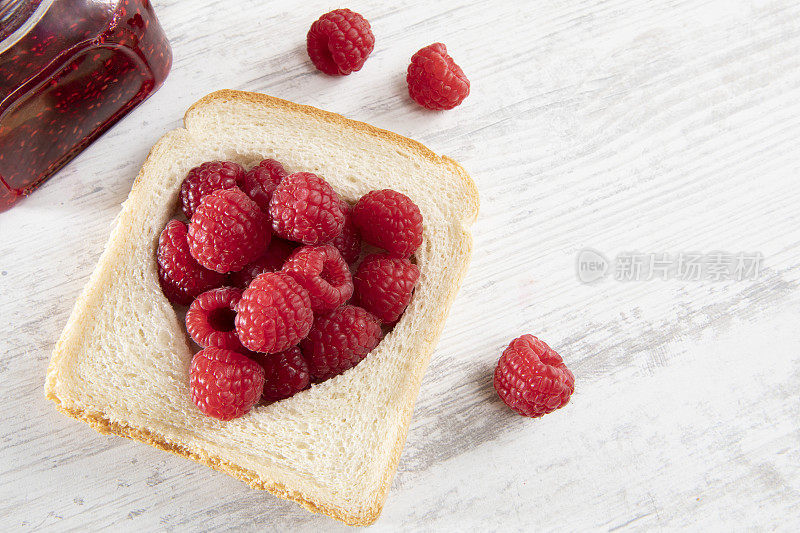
[628, 127]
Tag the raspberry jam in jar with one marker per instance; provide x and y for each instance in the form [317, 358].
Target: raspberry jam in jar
[69, 70]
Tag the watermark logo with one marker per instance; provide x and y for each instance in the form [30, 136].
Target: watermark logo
[592, 266]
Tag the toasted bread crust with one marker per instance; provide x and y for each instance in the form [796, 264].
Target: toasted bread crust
[226, 95]
[105, 426]
[365, 515]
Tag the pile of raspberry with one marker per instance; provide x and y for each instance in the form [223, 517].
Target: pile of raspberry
[280, 289]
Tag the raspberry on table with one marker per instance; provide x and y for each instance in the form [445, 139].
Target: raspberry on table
[225, 384]
[260, 181]
[384, 285]
[279, 250]
[340, 340]
[207, 178]
[304, 208]
[285, 374]
[322, 272]
[339, 42]
[389, 220]
[228, 230]
[434, 80]
[210, 319]
[348, 242]
[181, 277]
[273, 314]
[531, 378]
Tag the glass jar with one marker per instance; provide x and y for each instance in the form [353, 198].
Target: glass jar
[69, 70]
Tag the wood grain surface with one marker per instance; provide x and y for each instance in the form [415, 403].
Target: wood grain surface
[622, 126]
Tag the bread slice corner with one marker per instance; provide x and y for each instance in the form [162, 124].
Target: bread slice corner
[122, 361]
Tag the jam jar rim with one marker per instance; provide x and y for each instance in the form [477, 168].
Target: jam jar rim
[27, 26]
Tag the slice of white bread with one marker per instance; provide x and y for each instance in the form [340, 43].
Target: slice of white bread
[122, 362]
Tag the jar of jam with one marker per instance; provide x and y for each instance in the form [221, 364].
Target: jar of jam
[69, 70]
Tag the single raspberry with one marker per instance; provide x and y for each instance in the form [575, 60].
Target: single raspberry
[390, 220]
[340, 340]
[261, 180]
[205, 179]
[434, 80]
[323, 273]
[227, 231]
[279, 250]
[348, 242]
[339, 42]
[225, 384]
[181, 277]
[531, 378]
[304, 208]
[273, 314]
[285, 374]
[384, 285]
[210, 319]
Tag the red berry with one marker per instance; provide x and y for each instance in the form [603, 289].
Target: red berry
[205, 179]
[180, 276]
[348, 242]
[339, 42]
[384, 285]
[279, 250]
[227, 231]
[261, 180]
[390, 220]
[434, 80]
[285, 374]
[304, 208]
[225, 384]
[210, 319]
[340, 340]
[531, 378]
[273, 314]
[323, 273]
